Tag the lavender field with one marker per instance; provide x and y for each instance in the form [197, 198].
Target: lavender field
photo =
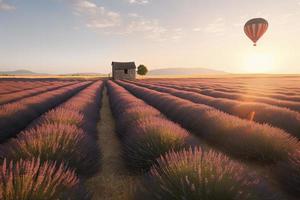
[217, 138]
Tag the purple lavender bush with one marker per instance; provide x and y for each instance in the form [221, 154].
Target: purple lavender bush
[31, 180]
[288, 173]
[150, 138]
[55, 142]
[193, 174]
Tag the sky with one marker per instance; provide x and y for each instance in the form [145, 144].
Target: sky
[68, 36]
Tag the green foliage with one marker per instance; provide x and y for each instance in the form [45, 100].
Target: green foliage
[142, 70]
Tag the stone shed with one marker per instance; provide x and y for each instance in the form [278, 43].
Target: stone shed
[123, 70]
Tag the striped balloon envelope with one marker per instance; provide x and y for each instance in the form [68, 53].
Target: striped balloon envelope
[256, 28]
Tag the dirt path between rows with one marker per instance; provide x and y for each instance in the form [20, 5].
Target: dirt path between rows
[113, 181]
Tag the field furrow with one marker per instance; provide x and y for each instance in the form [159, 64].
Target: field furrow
[9, 98]
[236, 136]
[293, 105]
[148, 138]
[155, 138]
[9, 87]
[283, 118]
[251, 91]
[256, 87]
[64, 136]
[242, 139]
[17, 115]
[113, 181]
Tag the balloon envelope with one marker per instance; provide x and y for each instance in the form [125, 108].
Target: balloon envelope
[256, 28]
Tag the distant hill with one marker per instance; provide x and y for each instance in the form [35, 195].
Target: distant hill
[18, 72]
[183, 71]
[24, 72]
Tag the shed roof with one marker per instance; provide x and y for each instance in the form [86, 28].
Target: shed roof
[123, 65]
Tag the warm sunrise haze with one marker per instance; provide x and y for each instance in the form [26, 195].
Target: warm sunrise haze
[67, 36]
[149, 99]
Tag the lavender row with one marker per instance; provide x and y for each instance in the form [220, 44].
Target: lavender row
[177, 166]
[283, 118]
[61, 141]
[35, 180]
[145, 133]
[239, 138]
[17, 115]
[242, 138]
[261, 95]
[293, 105]
[280, 93]
[9, 98]
[7, 87]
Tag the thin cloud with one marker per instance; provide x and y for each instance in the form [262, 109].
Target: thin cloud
[197, 29]
[133, 15]
[151, 28]
[177, 33]
[216, 27]
[5, 6]
[105, 21]
[138, 1]
[96, 16]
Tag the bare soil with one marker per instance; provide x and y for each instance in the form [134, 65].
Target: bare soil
[113, 181]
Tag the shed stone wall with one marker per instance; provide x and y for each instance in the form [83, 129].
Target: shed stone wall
[120, 74]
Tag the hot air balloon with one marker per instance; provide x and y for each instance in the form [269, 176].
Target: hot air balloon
[256, 28]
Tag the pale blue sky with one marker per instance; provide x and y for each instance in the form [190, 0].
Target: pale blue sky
[65, 36]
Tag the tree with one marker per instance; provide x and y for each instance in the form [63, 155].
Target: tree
[142, 70]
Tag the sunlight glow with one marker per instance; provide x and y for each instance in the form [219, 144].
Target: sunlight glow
[258, 62]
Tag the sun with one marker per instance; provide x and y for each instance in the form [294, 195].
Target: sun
[259, 62]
